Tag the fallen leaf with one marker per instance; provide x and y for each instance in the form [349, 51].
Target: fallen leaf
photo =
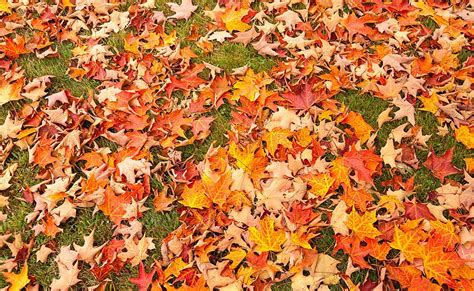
[362, 225]
[441, 166]
[266, 237]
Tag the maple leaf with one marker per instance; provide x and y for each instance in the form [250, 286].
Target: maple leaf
[407, 242]
[236, 256]
[218, 191]
[17, 281]
[87, 252]
[391, 89]
[175, 267]
[301, 213]
[357, 25]
[304, 97]
[465, 135]
[276, 137]
[353, 247]
[378, 250]
[233, 20]
[340, 172]
[43, 253]
[445, 234]
[404, 274]
[356, 197]
[136, 251]
[301, 238]
[201, 126]
[441, 166]
[112, 205]
[144, 279]
[14, 48]
[362, 225]
[362, 129]
[415, 210]
[162, 202]
[364, 163]
[7, 176]
[320, 184]
[50, 227]
[339, 218]
[5, 6]
[10, 91]
[195, 197]
[67, 277]
[406, 109]
[436, 263]
[182, 11]
[389, 153]
[266, 237]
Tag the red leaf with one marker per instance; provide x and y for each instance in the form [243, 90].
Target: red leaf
[144, 279]
[415, 210]
[364, 163]
[305, 97]
[441, 166]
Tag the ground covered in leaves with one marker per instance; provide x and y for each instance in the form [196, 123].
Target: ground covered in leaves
[203, 145]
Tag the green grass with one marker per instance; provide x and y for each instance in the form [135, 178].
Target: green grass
[57, 67]
[229, 56]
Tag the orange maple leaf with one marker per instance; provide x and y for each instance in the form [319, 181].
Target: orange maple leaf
[112, 206]
[361, 128]
[436, 263]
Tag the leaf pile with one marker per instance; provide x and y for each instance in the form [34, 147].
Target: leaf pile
[305, 190]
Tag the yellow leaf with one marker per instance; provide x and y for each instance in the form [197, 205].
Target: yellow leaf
[245, 273]
[266, 237]
[430, 104]
[278, 136]
[320, 184]
[195, 197]
[233, 20]
[465, 135]
[243, 157]
[251, 86]
[236, 256]
[301, 239]
[5, 6]
[326, 114]
[391, 203]
[17, 281]
[175, 268]
[426, 10]
[67, 3]
[361, 128]
[407, 242]
[131, 44]
[10, 91]
[469, 164]
[362, 225]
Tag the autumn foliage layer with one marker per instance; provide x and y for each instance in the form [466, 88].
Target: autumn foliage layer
[300, 190]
